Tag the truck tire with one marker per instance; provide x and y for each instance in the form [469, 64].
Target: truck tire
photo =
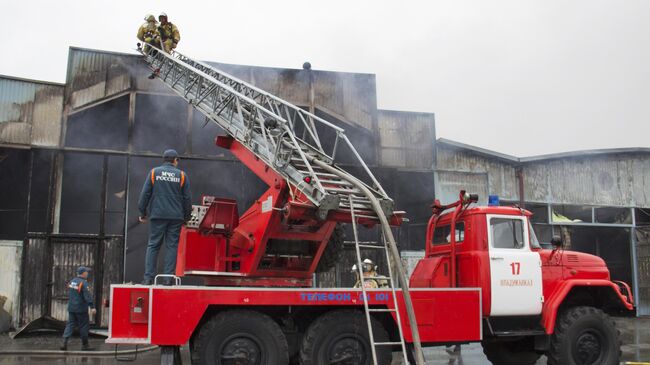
[584, 335]
[333, 251]
[341, 337]
[519, 352]
[251, 337]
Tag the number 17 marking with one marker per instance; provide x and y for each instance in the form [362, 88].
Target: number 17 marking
[515, 267]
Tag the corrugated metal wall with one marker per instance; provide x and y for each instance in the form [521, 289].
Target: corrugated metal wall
[30, 112]
[10, 258]
[612, 180]
[642, 238]
[94, 75]
[609, 180]
[350, 97]
[450, 183]
[500, 176]
[406, 139]
[50, 262]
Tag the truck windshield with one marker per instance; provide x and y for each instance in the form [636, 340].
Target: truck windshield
[534, 243]
[442, 234]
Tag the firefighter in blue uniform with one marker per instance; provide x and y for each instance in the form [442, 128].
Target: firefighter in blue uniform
[166, 201]
[79, 301]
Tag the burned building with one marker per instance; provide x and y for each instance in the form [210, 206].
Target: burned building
[74, 156]
[598, 201]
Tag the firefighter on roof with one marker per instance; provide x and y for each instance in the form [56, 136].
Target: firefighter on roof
[79, 301]
[167, 201]
[372, 280]
[168, 32]
[148, 32]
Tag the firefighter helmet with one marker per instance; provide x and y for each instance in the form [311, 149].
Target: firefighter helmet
[367, 265]
[162, 14]
[150, 18]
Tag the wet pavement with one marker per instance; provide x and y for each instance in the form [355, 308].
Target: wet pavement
[635, 335]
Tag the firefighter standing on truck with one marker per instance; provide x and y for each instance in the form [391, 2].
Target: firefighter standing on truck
[166, 201]
[169, 33]
[79, 301]
[148, 32]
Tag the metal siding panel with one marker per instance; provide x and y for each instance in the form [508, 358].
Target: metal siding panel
[641, 181]
[393, 157]
[500, 176]
[112, 271]
[406, 139]
[410, 259]
[643, 268]
[24, 106]
[97, 75]
[351, 96]
[67, 255]
[10, 259]
[48, 109]
[348, 96]
[536, 183]
[33, 280]
[449, 184]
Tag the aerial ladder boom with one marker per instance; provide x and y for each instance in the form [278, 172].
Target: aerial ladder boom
[286, 138]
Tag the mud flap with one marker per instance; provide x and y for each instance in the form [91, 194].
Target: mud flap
[170, 355]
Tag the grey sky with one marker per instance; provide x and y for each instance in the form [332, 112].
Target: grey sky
[519, 77]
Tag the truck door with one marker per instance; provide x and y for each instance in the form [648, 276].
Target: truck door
[515, 270]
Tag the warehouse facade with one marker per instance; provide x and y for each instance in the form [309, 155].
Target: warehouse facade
[75, 155]
[73, 158]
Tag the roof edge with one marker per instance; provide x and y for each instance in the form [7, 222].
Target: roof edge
[115, 53]
[585, 153]
[478, 150]
[32, 81]
[545, 157]
[379, 110]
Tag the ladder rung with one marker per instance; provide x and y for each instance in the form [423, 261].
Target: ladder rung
[380, 310]
[362, 242]
[371, 246]
[319, 174]
[336, 182]
[387, 343]
[357, 205]
[341, 190]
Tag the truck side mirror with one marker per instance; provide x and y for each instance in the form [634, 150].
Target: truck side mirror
[557, 242]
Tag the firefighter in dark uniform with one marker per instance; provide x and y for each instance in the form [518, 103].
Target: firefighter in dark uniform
[166, 201]
[79, 301]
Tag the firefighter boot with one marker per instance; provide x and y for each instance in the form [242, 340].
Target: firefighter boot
[64, 345]
[85, 346]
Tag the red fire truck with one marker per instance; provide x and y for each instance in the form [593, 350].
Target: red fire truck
[515, 297]
[484, 277]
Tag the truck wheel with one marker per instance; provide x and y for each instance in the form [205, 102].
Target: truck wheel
[584, 335]
[341, 337]
[510, 352]
[240, 337]
[333, 251]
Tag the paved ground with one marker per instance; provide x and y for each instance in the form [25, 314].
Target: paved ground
[635, 336]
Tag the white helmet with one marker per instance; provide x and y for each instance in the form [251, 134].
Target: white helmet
[366, 265]
[162, 14]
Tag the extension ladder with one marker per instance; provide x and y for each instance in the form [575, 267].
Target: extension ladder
[286, 138]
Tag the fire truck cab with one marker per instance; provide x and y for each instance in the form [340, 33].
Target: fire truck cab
[535, 300]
